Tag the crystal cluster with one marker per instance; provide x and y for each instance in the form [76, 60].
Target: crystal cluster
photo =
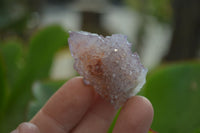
[108, 64]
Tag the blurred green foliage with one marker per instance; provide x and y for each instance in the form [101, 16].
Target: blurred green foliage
[161, 9]
[12, 54]
[2, 86]
[20, 69]
[174, 91]
[14, 15]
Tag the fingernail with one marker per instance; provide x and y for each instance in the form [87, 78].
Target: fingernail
[15, 131]
[26, 127]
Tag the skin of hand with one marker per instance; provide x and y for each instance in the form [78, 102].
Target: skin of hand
[77, 108]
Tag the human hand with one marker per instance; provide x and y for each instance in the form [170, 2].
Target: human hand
[77, 108]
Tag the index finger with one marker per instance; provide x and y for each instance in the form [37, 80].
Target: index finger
[65, 108]
[135, 117]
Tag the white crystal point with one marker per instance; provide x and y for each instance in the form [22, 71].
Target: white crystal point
[108, 64]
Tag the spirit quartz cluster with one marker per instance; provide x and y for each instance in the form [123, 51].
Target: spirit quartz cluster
[108, 64]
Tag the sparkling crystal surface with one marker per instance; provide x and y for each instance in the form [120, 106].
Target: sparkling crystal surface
[108, 64]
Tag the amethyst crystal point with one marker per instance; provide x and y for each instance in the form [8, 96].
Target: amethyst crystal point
[108, 64]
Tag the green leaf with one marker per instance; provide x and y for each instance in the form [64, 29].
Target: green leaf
[11, 54]
[2, 87]
[114, 121]
[174, 91]
[42, 49]
[197, 130]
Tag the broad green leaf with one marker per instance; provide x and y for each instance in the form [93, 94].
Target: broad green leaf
[42, 49]
[174, 91]
[11, 54]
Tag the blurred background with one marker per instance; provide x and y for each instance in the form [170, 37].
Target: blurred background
[35, 59]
